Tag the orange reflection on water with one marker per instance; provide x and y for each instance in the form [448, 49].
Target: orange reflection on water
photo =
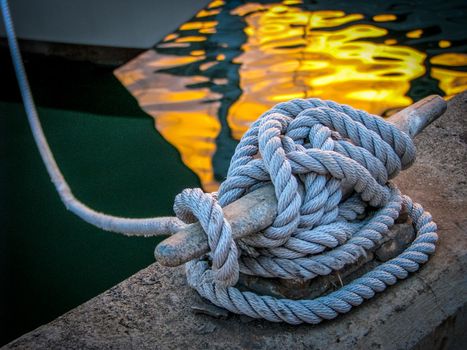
[207, 13]
[216, 3]
[444, 44]
[390, 41]
[384, 18]
[186, 117]
[288, 55]
[450, 81]
[414, 34]
[198, 25]
[190, 39]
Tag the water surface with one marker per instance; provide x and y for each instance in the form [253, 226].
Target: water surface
[206, 82]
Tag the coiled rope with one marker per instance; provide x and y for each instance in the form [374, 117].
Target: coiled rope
[309, 150]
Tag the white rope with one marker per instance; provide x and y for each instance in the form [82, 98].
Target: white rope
[127, 226]
[307, 149]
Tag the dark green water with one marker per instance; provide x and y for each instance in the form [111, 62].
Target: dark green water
[115, 162]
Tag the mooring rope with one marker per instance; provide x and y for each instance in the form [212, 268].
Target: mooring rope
[127, 226]
[308, 149]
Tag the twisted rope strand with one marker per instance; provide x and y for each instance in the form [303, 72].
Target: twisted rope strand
[128, 226]
[309, 149]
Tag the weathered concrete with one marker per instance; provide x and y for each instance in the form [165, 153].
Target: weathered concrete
[152, 309]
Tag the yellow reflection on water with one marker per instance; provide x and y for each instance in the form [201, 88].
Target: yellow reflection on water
[198, 25]
[451, 81]
[207, 13]
[190, 39]
[384, 18]
[171, 37]
[197, 53]
[450, 59]
[215, 4]
[390, 41]
[185, 117]
[444, 44]
[292, 2]
[288, 53]
[414, 34]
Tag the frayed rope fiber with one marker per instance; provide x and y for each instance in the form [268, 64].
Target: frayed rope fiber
[309, 150]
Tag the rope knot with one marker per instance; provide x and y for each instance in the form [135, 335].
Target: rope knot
[194, 205]
[328, 163]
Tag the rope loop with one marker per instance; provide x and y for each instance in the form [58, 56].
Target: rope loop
[314, 152]
[310, 150]
[192, 205]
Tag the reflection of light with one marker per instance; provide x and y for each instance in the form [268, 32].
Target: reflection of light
[292, 2]
[167, 45]
[207, 65]
[190, 39]
[289, 55]
[450, 59]
[198, 25]
[216, 3]
[164, 61]
[171, 37]
[207, 30]
[444, 44]
[198, 53]
[207, 13]
[450, 81]
[384, 18]
[220, 81]
[414, 34]
[169, 96]
[185, 117]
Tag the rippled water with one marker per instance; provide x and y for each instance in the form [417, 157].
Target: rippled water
[207, 81]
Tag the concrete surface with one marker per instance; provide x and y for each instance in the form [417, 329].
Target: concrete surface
[152, 309]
